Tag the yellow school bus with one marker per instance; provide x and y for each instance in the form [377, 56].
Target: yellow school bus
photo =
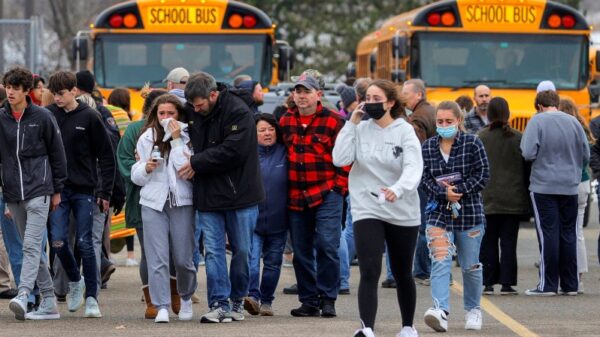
[508, 45]
[136, 42]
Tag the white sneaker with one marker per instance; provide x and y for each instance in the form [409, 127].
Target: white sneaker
[473, 319]
[408, 331]
[162, 316]
[131, 263]
[186, 312]
[364, 332]
[92, 310]
[18, 305]
[436, 319]
[75, 295]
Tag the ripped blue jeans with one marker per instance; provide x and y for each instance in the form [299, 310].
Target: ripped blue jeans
[442, 246]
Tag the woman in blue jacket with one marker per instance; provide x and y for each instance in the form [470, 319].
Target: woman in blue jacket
[270, 234]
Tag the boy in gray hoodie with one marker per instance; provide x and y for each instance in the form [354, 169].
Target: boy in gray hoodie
[556, 144]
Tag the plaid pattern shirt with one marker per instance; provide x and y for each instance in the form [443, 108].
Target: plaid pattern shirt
[474, 122]
[311, 171]
[467, 157]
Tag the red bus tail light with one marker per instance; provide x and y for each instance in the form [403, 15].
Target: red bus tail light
[561, 16]
[434, 19]
[568, 21]
[115, 21]
[249, 21]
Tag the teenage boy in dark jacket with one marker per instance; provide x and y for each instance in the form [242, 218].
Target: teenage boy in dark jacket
[86, 144]
[33, 176]
[227, 189]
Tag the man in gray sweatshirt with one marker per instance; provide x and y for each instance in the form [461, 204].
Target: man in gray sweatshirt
[556, 144]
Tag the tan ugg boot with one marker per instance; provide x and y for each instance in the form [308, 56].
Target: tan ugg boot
[151, 311]
[175, 300]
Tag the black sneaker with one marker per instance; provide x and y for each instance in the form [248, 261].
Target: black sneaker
[305, 311]
[291, 290]
[328, 308]
[508, 290]
[344, 292]
[488, 290]
[389, 283]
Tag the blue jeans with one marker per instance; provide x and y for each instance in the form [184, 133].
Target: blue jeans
[238, 225]
[422, 263]
[347, 249]
[270, 247]
[82, 206]
[317, 229]
[465, 244]
[12, 242]
[197, 235]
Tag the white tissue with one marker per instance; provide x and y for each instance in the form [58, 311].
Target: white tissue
[165, 124]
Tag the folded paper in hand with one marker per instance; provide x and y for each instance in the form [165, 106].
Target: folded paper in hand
[165, 124]
[451, 179]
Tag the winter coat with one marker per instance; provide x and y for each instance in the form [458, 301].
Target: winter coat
[272, 212]
[225, 157]
[32, 154]
[163, 182]
[125, 161]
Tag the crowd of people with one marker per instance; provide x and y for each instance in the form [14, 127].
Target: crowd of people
[203, 171]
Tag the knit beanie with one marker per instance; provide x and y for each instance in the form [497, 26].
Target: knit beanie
[85, 81]
[248, 85]
[347, 94]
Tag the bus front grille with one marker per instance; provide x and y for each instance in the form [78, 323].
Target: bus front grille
[519, 123]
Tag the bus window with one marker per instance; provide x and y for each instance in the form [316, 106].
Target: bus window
[500, 60]
[132, 55]
[131, 60]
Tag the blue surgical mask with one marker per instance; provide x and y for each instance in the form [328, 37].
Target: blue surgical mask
[448, 131]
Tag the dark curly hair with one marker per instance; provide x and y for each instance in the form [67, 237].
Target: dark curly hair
[18, 76]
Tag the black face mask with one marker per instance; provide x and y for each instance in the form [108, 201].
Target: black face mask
[375, 110]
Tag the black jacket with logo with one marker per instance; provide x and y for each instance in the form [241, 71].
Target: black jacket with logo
[225, 155]
[86, 142]
[32, 154]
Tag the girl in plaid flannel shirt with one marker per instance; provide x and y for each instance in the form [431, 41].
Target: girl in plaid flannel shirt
[455, 217]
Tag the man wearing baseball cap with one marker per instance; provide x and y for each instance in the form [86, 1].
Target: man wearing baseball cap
[315, 197]
[176, 80]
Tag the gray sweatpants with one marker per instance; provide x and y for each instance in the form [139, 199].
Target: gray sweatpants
[30, 217]
[172, 229]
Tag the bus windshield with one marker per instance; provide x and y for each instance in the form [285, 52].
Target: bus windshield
[130, 60]
[499, 60]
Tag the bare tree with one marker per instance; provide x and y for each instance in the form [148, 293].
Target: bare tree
[66, 17]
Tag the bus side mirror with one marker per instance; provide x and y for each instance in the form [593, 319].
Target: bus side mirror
[399, 46]
[598, 60]
[594, 92]
[398, 76]
[286, 59]
[373, 62]
[351, 70]
[79, 49]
